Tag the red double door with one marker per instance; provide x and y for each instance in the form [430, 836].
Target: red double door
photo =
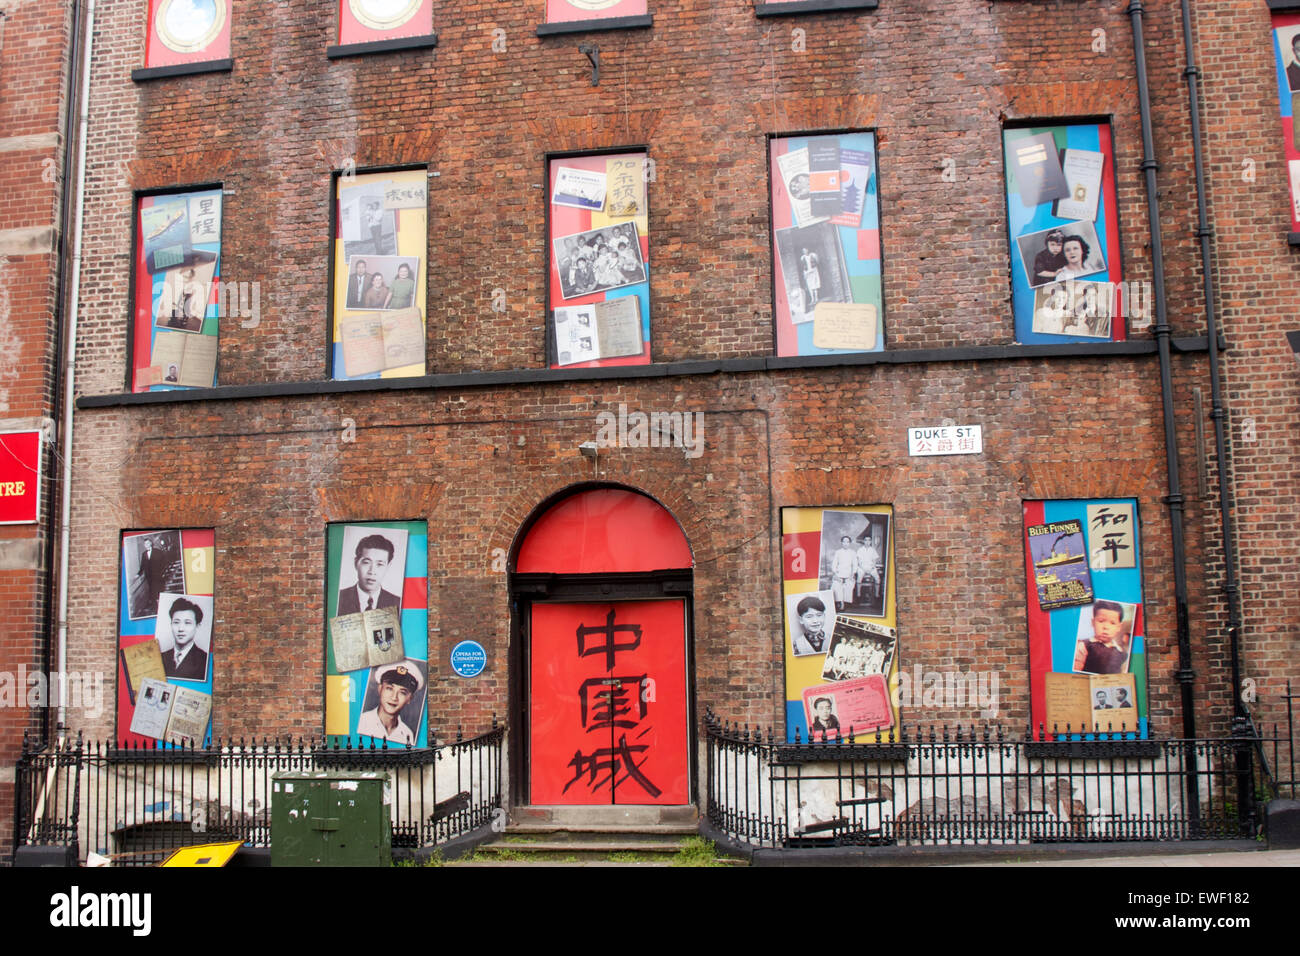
[608, 721]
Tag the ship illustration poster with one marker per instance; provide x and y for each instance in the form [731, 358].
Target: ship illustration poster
[1060, 558]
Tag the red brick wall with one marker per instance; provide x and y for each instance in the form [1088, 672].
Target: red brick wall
[1258, 300]
[700, 90]
[33, 77]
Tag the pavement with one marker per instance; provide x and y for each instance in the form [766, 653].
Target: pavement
[1262, 858]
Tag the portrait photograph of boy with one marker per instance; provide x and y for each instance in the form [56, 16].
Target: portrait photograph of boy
[1105, 639]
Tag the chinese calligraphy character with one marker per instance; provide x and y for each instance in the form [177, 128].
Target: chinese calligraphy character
[1102, 516]
[609, 704]
[613, 760]
[611, 645]
[1113, 543]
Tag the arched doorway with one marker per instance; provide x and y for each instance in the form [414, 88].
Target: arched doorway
[601, 675]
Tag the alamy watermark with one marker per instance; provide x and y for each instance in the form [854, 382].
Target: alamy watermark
[77, 691]
[655, 429]
[1066, 300]
[946, 690]
[186, 297]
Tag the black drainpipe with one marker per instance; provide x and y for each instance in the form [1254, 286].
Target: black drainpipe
[1185, 675]
[1241, 727]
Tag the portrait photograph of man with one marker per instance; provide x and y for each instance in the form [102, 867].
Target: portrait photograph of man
[1288, 41]
[373, 568]
[184, 635]
[393, 706]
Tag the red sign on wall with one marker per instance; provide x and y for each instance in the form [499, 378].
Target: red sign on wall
[607, 708]
[20, 477]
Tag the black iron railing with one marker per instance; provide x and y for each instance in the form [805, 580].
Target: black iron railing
[136, 805]
[1277, 751]
[950, 786]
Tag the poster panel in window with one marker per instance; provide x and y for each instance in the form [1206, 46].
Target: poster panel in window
[826, 259]
[166, 648]
[841, 638]
[177, 281]
[564, 11]
[1066, 270]
[599, 254]
[377, 634]
[1087, 632]
[380, 275]
[187, 31]
[369, 21]
[1286, 55]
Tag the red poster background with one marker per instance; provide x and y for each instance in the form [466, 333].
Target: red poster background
[158, 53]
[556, 727]
[562, 11]
[351, 30]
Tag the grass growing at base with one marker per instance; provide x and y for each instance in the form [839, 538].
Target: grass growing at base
[697, 851]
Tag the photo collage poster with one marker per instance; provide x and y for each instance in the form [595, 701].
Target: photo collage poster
[377, 634]
[1087, 646]
[177, 265]
[370, 21]
[181, 32]
[166, 654]
[826, 244]
[1286, 52]
[566, 11]
[841, 638]
[380, 274]
[599, 283]
[1061, 213]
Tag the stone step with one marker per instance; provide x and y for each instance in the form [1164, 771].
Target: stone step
[500, 863]
[530, 828]
[585, 817]
[589, 847]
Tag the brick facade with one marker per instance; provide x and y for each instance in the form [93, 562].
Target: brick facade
[1249, 202]
[700, 91]
[33, 73]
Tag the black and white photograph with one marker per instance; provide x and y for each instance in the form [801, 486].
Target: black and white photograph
[858, 650]
[367, 226]
[153, 563]
[1112, 698]
[184, 635]
[599, 260]
[1288, 40]
[393, 705]
[824, 721]
[855, 561]
[373, 568]
[812, 268]
[1063, 252]
[183, 300]
[1074, 307]
[809, 619]
[382, 283]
